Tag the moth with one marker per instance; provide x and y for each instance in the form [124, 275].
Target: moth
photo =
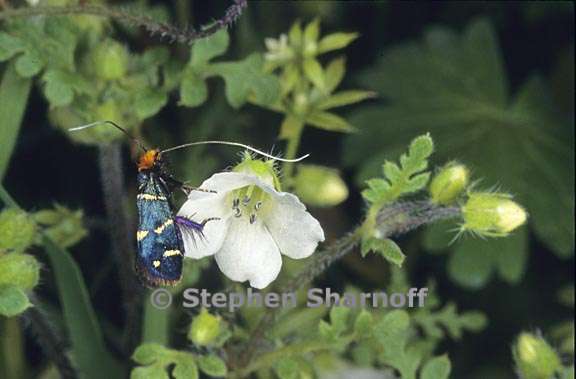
[160, 246]
[159, 236]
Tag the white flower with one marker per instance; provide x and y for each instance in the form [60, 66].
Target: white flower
[255, 223]
[278, 49]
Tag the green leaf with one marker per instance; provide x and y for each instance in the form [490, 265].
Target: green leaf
[314, 73]
[298, 321]
[446, 321]
[404, 178]
[149, 372]
[329, 121]
[344, 98]
[471, 263]
[58, 89]
[212, 365]
[312, 32]
[29, 64]
[186, 368]
[295, 34]
[287, 368]
[149, 102]
[13, 301]
[385, 247]
[14, 92]
[335, 41]
[438, 236]
[436, 368]
[92, 358]
[193, 90]
[148, 353]
[363, 324]
[246, 77]
[474, 261]
[390, 329]
[334, 73]
[9, 46]
[339, 316]
[207, 48]
[392, 333]
[512, 256]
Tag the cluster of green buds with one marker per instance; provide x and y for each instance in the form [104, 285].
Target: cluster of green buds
[488, 214]
[19, 272]
[535, 358]
[307, 86]
[308, 96]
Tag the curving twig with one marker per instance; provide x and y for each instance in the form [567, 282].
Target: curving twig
[175, 34]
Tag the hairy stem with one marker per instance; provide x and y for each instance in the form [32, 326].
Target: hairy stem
[394, 219]
[51, 343]
[186, 35]
[113, 186]
[291, 151]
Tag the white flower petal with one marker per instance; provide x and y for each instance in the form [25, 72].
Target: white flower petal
[203, 206]
[249, 253]
[295, 231]
[227, 181]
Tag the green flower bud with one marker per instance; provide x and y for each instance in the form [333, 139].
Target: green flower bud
[110, 60]
[17, 230]
[20, 270]
[320, 186]
[63, 225]
[68, 117]
[205, 328]
[534, 358]
[265, 170]
[449, 183]
[492, 214]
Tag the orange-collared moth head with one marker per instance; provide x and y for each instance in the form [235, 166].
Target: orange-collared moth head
[148, 160]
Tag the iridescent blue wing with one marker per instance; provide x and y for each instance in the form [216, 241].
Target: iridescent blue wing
[160, 247]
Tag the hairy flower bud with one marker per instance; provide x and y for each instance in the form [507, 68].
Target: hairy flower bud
[320, 186]
[20, 270]
[17, 231]
[205, 328]
[264, 170]
[449, 183]
[535, 359]
[492, 214]
[110, 60]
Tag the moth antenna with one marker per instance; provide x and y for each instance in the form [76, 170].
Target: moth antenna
[236, 144]
[106, 122]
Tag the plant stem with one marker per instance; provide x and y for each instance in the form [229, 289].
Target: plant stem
[52, 344]
[156, 323]
[187, 35]
[12, 363]
[113, 188]
[291, 151]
